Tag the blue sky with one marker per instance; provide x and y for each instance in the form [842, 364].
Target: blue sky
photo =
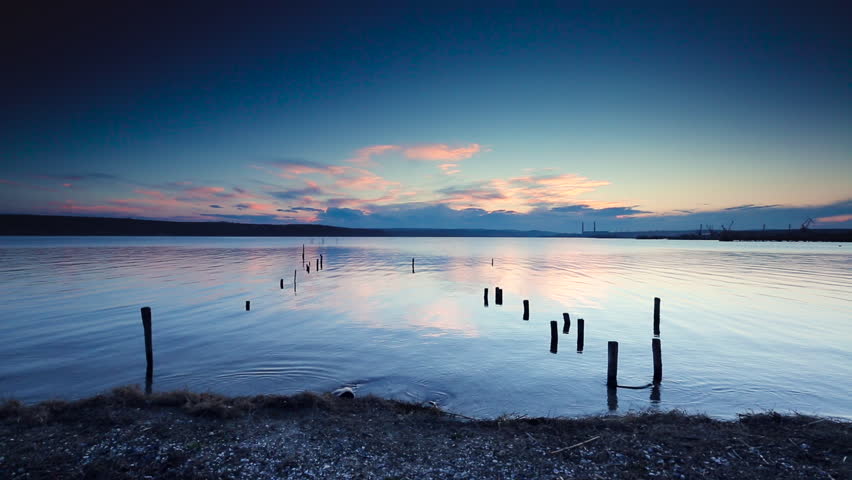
[441, 116]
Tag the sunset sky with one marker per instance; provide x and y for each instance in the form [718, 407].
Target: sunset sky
[439, 116]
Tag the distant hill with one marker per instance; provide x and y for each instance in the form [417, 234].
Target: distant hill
[84, 226]
[68, 225]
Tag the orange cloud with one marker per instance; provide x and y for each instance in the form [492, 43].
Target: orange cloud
[440, 151]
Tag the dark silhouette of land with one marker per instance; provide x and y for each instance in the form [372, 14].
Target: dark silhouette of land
[54, 225]
[68, 225]
[798, 235]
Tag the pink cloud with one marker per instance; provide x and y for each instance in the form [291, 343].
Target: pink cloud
[449, 168]
[364, 180]
[430, 151]
[205, 191]
[13, 183]
[440, 151]
[70, 207]
[835, 219]
[365, 155]
[290, 169]
[150, 193]
[304, 169]
[522, 194]
[261, 207]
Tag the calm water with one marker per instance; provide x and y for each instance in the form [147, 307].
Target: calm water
[745, 326]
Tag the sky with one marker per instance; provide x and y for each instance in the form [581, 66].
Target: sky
[514, 115]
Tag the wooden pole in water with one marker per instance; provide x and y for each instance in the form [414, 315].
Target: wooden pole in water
[321, 266]
[248, 305]
[281, 283]
[318, 265]
[581, 331]
[303, 252]
[498, 295]
[612, 398]
[658, 360]
[308, 267]
[612, 364]
[485, 297]
[554, 336]
[492, 262]
[656, 316]
[294, 279]
[566, 327]
[149, 348]
[526, 309]
[412, 265]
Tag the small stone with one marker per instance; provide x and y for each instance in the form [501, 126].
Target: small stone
[345, 392]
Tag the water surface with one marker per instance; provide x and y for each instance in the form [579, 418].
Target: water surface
[745, 326]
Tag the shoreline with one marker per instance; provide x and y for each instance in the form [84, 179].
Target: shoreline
[182, 434]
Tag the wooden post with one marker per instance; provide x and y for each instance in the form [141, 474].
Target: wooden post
[566, 327]
[526, 309]
[554, 336]
[294, 279]
[658, 360]
[318, 264]
[281, 283]
[492, 262]
[581, 331]
[485, 297]
[656, 317]
[498, 295]
[303, 252]
[149, 348]
[612, 364]
[248, 305]
[321, 265]
[308, 267]
[412, 265]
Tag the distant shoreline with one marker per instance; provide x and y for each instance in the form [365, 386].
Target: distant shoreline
[57, 225]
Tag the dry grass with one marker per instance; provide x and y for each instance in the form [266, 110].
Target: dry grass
[206, 404]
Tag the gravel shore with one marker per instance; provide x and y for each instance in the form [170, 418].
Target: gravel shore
[126, 434]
